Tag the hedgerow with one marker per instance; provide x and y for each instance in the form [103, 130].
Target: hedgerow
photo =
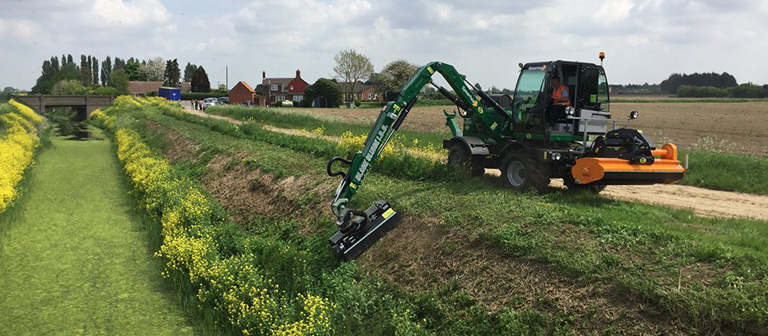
[18, 140]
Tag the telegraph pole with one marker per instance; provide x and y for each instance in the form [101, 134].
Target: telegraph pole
[226, 70]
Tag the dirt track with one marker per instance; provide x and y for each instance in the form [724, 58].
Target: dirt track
[701, 201]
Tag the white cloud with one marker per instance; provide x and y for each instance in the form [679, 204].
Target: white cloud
[112, 13]
[21, 29]
[645, 39]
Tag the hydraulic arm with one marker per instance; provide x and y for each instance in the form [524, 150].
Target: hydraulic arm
[359, 229]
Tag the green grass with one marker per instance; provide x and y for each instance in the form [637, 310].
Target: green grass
[639, 252]
[304, 262]
[75, 258]
[726, 171]
[297, 119]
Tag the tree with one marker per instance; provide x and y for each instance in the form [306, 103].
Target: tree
[352, 68]
[85, 70]
[189, 70]
[69, 87]
[393, 76]
[720, 81]
[106, 69]
[172, 73]
[326, 89]
[45, 82]
[153, 70]
[131, 68]
[118, 79]
[200, 82]
[119, 64]
[95, 70]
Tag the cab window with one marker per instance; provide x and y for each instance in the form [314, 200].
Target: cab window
[529, 94]
[594, 93]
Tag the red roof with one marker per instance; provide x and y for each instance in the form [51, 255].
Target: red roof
[246, 86]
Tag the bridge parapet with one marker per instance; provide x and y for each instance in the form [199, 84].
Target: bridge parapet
[84, 104]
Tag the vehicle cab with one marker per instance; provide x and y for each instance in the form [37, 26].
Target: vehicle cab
[534, 110]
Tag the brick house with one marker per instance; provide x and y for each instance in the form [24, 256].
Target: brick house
[361, 91]
[279, 89]
[242, 92]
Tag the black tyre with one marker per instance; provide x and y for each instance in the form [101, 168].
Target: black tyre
[522, 172]
[571, 184]
[459, 155]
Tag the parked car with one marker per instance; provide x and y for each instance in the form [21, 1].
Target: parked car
[222, 101]
[209, 102]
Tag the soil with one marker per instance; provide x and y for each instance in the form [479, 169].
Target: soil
[421, 254]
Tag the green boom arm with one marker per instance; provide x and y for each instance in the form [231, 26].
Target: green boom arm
[389, 120]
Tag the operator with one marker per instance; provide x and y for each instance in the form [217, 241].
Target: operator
[560, 94]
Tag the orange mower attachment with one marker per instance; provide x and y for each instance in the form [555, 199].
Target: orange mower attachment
[605, 171]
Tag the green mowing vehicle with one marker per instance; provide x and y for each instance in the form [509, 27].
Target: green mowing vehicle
[537, 134]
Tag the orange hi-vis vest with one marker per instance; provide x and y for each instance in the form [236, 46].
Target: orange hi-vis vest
[557, 94]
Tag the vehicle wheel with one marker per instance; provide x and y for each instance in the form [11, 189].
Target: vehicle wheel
[459, 155]
[520, 171]
[571, 184]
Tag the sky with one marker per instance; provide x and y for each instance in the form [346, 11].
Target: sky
[644, 40]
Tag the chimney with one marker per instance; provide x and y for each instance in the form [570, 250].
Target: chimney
[298, 73]
[263, 75]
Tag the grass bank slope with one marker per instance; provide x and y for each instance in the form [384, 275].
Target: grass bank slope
[74, 259]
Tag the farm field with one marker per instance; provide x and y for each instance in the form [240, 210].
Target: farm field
[731, 127]
[74, 256]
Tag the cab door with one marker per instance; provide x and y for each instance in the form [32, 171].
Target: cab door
[592, 100]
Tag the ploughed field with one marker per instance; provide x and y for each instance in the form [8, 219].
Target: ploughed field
[731, 127]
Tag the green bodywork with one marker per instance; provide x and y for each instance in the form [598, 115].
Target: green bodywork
[492, 125]
[521, 122]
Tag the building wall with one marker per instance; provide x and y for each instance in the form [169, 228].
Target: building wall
[239, 94]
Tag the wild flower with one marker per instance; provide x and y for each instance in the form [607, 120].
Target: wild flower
[236, 286]
[18, 140]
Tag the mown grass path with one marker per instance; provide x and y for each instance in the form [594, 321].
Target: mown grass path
[75, 260]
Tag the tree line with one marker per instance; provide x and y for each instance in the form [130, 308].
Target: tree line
[63, 76]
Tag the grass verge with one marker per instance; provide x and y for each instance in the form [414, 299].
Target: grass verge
[708, 273]
[275, 280]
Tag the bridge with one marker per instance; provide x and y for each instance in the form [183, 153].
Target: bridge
[84, 105]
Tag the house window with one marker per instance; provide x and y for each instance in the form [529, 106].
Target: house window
[274, 87]
[291, 88]
[370, 96]
[279, 98]
[297, 98]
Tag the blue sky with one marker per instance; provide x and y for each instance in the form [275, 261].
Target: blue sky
[645, 40]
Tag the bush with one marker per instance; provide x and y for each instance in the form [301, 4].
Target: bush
[358, 102]
[748, 91]
[701, 92]
[324, 88]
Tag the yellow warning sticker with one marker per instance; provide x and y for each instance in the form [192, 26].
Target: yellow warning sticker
[429, 68]
[388, 213]
[353, 185]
